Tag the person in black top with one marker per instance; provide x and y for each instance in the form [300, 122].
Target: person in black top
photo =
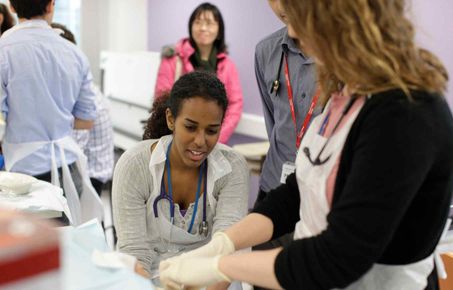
[374, 174]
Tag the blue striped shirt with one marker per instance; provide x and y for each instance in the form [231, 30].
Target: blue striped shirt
[45, 83]
[277, 114]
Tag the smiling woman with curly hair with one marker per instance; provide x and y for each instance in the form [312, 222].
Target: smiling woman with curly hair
[178, 188]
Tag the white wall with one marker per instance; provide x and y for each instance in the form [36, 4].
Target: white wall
[115, 25]
[92, 38]
[127, 25]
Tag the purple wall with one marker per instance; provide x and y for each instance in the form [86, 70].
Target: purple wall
[246, 22]
[249, 21]
[434, 23]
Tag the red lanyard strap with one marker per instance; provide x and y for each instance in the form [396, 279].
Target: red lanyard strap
[307, 119]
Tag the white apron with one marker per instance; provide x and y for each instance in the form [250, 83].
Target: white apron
[314, 209]
[89, 205]
[83, 209]
[178, 236]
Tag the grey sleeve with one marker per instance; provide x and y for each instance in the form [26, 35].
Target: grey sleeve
[268, 108]
[232, 193]
[130, 191]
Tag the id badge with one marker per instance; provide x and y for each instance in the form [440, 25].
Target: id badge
[287, 169]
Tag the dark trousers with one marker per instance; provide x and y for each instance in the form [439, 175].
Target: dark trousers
[433, 280]
[98, 185]
[47, 176]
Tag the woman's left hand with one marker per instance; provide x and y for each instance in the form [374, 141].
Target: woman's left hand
[192, 272]
[139, 269]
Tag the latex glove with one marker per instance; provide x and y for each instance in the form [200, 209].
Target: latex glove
[192, 272]
[220, 244]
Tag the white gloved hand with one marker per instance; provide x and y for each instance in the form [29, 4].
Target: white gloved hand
[220, 244]
[191, 272]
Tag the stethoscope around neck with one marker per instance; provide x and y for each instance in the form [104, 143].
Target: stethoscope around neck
[276, 83]
[203, 229]
[317, 161]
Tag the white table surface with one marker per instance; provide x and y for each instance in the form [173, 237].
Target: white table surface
[44, 200]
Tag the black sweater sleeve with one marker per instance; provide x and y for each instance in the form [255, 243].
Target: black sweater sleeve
[390, 154]
[281, 205]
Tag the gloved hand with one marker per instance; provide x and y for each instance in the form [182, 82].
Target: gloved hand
[220, 244]
[191, 272]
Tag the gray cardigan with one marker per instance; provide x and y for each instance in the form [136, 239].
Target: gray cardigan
[136, 175]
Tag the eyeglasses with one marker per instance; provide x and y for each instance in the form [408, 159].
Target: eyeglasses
[318, 161]
[207, 23]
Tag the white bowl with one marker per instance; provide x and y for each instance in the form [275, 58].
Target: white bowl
[16, 183]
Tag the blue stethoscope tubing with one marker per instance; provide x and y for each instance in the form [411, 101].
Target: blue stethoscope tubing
[203, 229]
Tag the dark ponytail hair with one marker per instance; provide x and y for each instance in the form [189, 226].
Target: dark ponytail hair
[156, 125]
[8, 19]
[195, 84]
[66, 33]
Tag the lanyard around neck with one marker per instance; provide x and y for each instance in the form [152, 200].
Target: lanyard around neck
[303, 129]
[170, 191]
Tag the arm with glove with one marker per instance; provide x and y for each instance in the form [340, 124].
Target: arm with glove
[214, 263]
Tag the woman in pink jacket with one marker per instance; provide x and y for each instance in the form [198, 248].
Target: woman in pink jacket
[205, 49]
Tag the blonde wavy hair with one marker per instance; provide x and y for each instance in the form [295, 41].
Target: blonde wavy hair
[366, 44]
